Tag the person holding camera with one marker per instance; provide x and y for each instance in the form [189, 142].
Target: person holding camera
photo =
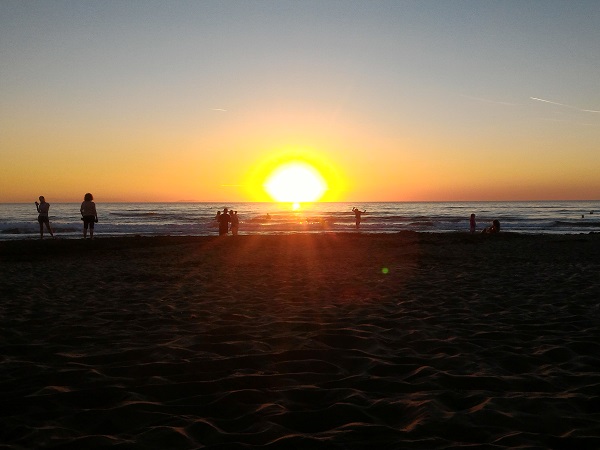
[43, 208]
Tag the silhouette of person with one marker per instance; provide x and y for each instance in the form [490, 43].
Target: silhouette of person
[472, 223]
[357, 215]
[42, 208]
[495, 228]
[224, 220]
[235, 223]
[88, 214]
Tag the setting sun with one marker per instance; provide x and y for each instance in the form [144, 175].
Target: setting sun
[295, 182]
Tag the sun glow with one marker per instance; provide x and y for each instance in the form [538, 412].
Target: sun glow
[295, 182]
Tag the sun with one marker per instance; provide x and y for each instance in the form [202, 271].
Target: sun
[295, 182]
[294, 175]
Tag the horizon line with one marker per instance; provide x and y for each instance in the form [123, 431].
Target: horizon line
[344, 201]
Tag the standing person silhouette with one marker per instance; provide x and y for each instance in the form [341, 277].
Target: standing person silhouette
[218, 217]
[357, 215]
[472, 223]
[42, 208]
[224, 220]
[235, 223]
[88, 215]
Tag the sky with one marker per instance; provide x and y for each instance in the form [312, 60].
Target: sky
[144, 101]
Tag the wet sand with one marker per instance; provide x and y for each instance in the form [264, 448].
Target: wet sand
[345, 341]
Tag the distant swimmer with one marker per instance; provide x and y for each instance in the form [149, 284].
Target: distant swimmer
[357, 215]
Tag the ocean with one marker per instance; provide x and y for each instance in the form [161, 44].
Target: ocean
[19, 220]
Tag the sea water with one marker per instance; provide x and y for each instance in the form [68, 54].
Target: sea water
[19, 220]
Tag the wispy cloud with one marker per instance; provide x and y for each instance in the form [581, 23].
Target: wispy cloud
[563, 105]
[219, 110]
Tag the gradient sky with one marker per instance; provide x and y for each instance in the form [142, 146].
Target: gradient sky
[392, 100]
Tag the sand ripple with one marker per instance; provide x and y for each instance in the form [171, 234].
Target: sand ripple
[301, 342]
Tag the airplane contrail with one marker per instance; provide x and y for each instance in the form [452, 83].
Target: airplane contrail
[219, 109]
[563, 105]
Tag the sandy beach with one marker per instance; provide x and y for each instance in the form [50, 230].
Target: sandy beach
[341, 341]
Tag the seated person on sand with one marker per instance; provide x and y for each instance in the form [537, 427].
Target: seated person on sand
[495, 228]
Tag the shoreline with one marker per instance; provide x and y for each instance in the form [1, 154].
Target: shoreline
[353, 232]
[349, 340]
[13, 248]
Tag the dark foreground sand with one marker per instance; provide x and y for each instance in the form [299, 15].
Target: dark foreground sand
[294, 342]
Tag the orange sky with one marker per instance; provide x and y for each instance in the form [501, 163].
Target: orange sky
[391, 101]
